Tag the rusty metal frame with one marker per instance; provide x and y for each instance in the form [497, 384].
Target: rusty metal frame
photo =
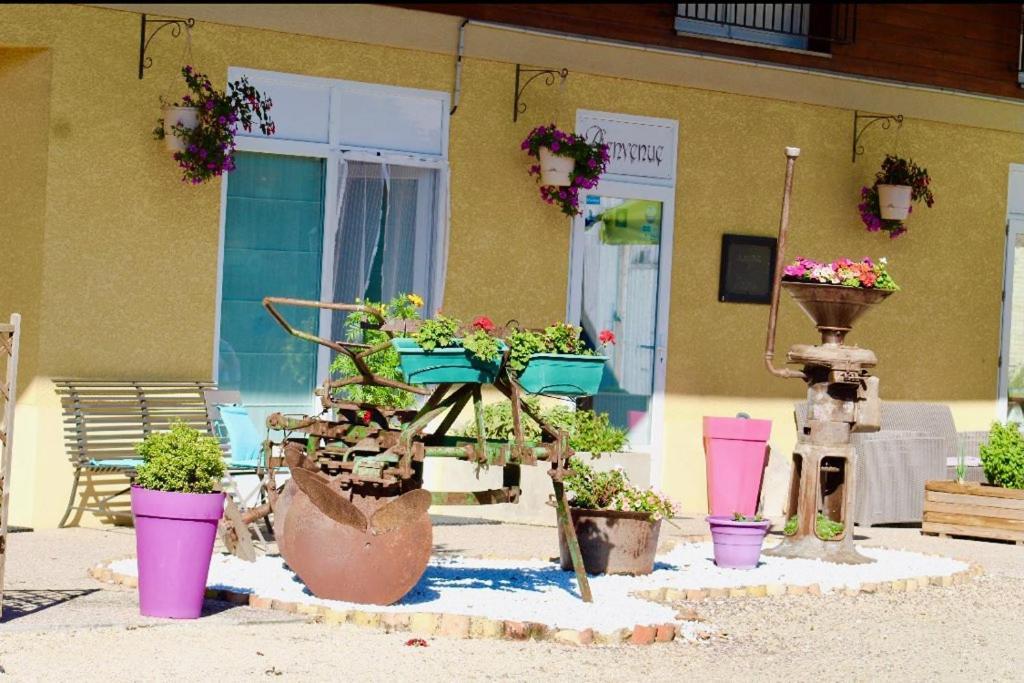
[364, 454]
[10, 338]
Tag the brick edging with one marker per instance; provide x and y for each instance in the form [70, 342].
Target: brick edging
[462, 626]
[428, 623]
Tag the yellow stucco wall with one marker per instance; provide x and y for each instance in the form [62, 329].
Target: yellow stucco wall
[129, 257]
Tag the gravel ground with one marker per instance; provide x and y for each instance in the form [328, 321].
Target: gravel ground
[60, 624]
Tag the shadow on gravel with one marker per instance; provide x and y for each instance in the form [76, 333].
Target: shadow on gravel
[20, 603]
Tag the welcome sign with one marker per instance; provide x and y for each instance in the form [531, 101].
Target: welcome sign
[638, 147]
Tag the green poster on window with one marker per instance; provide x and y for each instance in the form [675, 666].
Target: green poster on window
[635, 221]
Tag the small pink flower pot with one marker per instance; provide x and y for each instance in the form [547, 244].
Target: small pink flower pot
[736, 453]
[737, 544]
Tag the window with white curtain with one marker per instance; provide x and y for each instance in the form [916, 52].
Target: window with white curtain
[387, 238]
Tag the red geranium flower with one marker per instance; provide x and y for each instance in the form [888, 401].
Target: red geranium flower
[366, 416]
[606, 337]
[482, 322]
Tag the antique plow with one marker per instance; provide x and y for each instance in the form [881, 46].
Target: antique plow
[352, 521]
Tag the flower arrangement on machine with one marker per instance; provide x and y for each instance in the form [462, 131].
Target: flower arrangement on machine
[864, 274]
[567, 164]
[201, 127]
[888, 202]
[556, 360]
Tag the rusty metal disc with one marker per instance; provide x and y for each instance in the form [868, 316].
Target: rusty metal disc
[328, 499]
[339, 562]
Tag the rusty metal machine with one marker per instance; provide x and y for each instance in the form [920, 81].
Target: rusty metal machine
[352, 520]
[842, 398]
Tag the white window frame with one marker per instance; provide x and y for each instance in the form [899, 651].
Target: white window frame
[333, 152]
[1014, 228]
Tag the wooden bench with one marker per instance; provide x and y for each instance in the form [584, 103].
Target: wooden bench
[103, 420]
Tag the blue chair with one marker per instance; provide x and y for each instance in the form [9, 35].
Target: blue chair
[243, 439]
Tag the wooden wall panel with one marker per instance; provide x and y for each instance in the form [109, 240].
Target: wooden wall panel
[970, 47]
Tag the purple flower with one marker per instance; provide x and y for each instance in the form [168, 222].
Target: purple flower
[209, 105]
[222, 120]
[203, 154]
[555, 146]
[591, 163]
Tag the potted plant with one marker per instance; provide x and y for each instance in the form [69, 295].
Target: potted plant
[556, 361]
[567, 163]
[737, 539]
[176, 511]
[444, 351]
[617, 524]
[887, 203]
[201, 127]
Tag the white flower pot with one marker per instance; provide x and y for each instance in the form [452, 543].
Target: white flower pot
[894, 201]
[555, 169]
[186, 116]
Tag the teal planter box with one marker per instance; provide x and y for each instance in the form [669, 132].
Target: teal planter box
[563, 374]
[443, 366]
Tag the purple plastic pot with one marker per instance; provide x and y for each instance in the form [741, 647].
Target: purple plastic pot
[737, 544]
[174, 534]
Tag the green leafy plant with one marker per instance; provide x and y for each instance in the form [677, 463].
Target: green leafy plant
[740, 517]
[437, 333]
[498, 421]
[588, 431]
[183, 460]
[443, 333]
[1002, 457]
[384, 363]
[565, 338]
[612, 490]
[482, 345]
[823, 526]
[522, 344]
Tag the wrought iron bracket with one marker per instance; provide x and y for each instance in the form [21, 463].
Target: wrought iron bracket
[858, 130]
[144, 40]
[518, 106]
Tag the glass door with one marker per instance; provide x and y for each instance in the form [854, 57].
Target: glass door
[621, 261]
[1011, 371]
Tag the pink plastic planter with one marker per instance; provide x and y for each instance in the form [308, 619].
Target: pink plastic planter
[737, 544]
[736, 452]
[174, 534]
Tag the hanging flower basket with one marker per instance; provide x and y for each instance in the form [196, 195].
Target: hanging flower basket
[568, 163]
[889, 202]
[201, 127]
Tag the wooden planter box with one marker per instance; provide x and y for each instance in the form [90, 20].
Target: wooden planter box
[973, 509]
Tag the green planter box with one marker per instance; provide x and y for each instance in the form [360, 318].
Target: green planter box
[562, 374]
[443, 366]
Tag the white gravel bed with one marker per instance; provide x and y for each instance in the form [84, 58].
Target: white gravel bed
[538, 591]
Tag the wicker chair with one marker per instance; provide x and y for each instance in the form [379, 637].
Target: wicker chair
[917, 442]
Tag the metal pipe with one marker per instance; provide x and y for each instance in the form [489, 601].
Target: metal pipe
[780, 255]
[457, 91]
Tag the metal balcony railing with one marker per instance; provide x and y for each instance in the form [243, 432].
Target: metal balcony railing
[809, 25]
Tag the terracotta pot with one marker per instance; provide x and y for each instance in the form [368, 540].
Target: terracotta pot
[612, 541]
[894, 201]
[555, 169]
[186, 116]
